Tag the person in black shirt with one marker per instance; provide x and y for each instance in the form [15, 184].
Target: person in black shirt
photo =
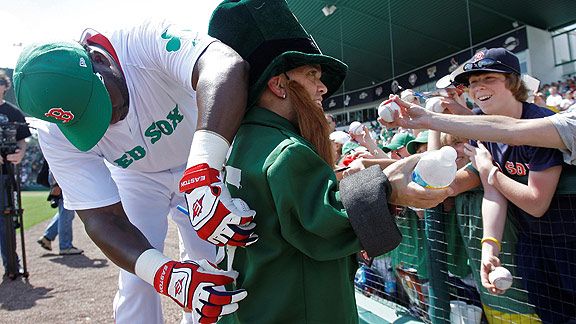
[9, 113]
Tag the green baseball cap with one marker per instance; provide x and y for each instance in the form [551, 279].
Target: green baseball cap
[55, 82]
[349, 147]
[398, 141]
[422, 138]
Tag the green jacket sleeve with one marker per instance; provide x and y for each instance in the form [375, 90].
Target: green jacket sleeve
[311, 216]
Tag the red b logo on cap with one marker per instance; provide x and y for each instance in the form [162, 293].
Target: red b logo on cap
[478, 56]
[60, 114]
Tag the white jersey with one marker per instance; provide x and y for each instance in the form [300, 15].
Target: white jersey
[157, 59]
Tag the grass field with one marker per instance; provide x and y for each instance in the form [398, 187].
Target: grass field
[36, 208]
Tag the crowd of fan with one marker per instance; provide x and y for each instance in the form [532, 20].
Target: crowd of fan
[31, 165]
[408, 266]
[558, 96]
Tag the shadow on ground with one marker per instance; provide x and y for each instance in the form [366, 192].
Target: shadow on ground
[19, 294]
[77, 261]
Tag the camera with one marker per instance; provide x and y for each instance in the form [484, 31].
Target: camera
[8, 142]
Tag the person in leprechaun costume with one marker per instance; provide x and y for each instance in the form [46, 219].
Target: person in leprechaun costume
[310, 227]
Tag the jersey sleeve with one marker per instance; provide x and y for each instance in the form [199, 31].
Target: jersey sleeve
[83, 176]
[311, 216]
[566, 126]
[544, 158]
[172, 48]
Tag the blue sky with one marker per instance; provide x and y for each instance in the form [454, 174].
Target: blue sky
[29, 21]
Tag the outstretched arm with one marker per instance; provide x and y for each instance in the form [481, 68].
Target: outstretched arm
[494, 208]
[535, 132]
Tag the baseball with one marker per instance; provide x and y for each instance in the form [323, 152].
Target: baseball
[501, 278]
[356, 128]
[434, 104]
[386, 110]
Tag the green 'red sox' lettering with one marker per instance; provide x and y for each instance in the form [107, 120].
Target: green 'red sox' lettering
[127, 158]
[165, 127]
[155, 131]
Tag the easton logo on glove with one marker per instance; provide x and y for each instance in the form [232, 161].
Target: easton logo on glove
[216, 217]
[197, 176]
[192, 181]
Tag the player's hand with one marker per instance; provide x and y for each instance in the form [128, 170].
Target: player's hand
[407, 193]
[216, 217]
[199, 286]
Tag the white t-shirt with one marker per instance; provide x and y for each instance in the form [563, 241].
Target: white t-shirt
[554, 100]
[566, 126]
[157, 59]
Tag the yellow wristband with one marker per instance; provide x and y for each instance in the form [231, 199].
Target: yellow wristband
[493, 240]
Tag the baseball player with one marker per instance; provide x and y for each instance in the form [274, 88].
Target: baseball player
[121, 112]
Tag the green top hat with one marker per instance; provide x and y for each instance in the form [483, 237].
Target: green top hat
[55, 82]
[268, 36]
[422, 138]
[398, 141]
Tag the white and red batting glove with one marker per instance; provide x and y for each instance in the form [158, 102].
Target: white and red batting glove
[198, 285]
[194, 285]
[215, 216]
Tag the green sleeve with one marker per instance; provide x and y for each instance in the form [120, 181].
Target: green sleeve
[471, 168]
[311, 216]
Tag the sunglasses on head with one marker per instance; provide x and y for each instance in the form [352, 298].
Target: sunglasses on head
[484, 63]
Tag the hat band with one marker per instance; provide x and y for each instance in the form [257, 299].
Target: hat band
[269, 50]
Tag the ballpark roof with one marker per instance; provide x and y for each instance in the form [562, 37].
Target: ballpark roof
[376, 48]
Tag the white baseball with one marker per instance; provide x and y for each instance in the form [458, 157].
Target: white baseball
[356, 128]
[386, 110]
[434, 104]
[501, 278]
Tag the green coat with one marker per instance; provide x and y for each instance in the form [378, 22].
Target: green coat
[301, 270]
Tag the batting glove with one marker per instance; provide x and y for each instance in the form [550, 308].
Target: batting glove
[216, 217]
[198, 285]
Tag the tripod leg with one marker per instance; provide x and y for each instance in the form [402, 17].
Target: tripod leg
[20, 213]
[10, 247]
